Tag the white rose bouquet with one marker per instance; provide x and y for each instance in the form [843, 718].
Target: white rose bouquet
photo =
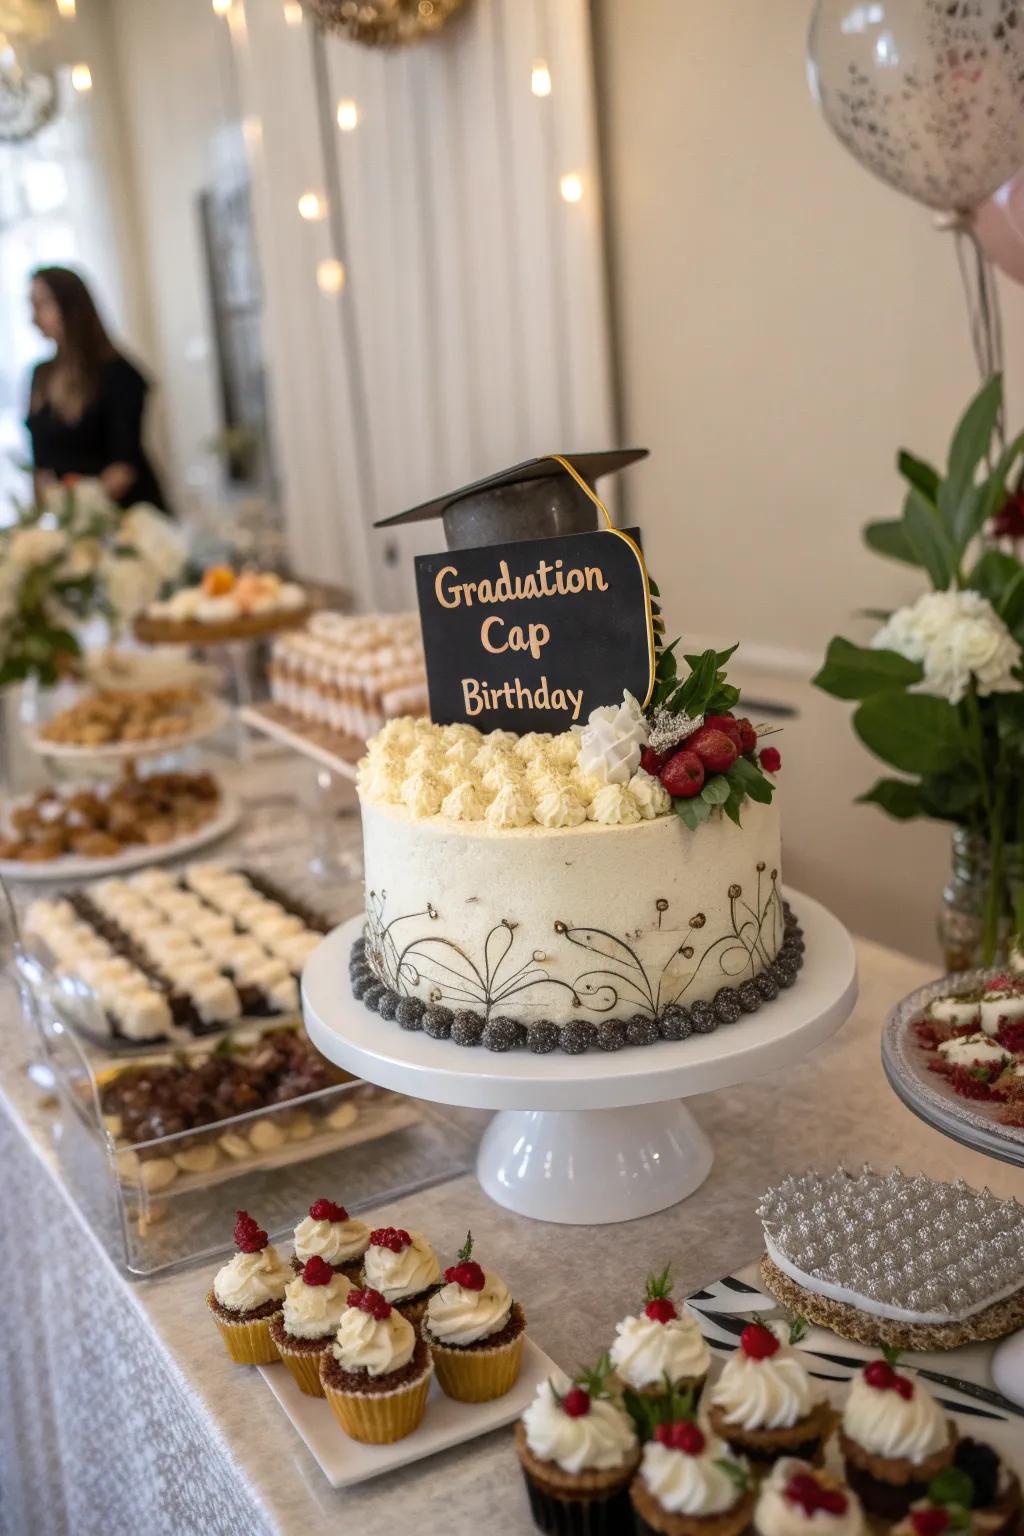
[73, 558]
[940, 687]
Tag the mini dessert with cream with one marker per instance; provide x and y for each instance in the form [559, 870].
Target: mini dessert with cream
[403, 1267]
[248, 1292]
[475, 1331]
[661, 1343]
[975, 1041]
[376, 1374]
[688, 1484]
[800, 1500]
[578, 1451]
[894, 1439]
[765, 1405]
[328, 1232]
[313, 1305]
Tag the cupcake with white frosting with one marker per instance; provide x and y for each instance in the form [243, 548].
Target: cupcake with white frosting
[376, 1374]
[801, 1500]
[689, 1485]
[403, 1267]
[578, 1451]
[248, 1293]
[313, 1305]
[894, 1439]
[661, 1344]
[765, 1405]
[475, 1331]
[328, 1232]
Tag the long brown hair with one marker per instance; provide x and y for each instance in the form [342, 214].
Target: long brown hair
[72, 378]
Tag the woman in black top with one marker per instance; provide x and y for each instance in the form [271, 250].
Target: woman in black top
[87, 400]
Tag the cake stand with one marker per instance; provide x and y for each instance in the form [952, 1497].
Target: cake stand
[601, 1137]
[926, 1096]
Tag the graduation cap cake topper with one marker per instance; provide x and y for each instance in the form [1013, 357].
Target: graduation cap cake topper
[532, 633]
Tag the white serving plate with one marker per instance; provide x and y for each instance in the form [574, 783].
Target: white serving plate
[209, 720]
[445, 1423]
[77, 866]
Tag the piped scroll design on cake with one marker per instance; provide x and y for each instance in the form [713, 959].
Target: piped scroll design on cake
[452, 974]
[747, 947]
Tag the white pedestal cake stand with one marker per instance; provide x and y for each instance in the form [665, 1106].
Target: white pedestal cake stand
[595, 1138]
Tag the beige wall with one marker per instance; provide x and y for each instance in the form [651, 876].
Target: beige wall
[785, 322]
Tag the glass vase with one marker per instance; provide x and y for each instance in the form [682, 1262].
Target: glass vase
[961, 917]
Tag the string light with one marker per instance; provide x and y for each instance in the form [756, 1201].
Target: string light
[311, 206]
[330, 275]
[221, 7]
[81, 77]
[348, 115]
[571, 187]
[66, 9]
[292, 13]
[540, 79]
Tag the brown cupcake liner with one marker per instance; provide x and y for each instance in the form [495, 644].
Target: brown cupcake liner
[478, 1375]
[579, 1486]
[805, 1439]
[381, 1418]
[653, 1520]
[248, 1341]
[888, 1485]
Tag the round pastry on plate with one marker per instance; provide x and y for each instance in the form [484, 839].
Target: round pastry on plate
[800, 1500]
[403, 1267]
[894, 1439]
[765, 1405]
[302, 1332]
[376, 1374]
[248, 1292]
[689, 1485]
[475, 1331]
[660, 1344]
[328, 1232]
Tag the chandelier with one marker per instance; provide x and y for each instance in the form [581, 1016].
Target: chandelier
[28, 98]
[383, 23]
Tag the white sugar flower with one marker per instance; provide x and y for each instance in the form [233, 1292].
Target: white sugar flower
[612, 740]
[955, 636]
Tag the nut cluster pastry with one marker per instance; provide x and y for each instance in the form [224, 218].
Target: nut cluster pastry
[127, 715]
[351, 674]
[102, 822]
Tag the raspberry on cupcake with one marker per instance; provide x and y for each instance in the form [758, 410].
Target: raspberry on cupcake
[248, 1293]
[475, 1331]
[403, 1267]
[894, 1439]
[376, 1374]
[578, 1451]
[313, 1304]
[331, 1234]
[764, 1403]
[662, 1344]
[689, 1485]
[800, 1500]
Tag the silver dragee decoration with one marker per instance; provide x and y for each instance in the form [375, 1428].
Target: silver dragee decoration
[897, 1239]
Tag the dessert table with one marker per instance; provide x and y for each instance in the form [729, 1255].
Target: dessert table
[128, 1415]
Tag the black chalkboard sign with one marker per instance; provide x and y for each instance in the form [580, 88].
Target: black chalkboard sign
[532, 636]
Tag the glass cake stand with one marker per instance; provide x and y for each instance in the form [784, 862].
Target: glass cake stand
[594, 1138]
[929, 1097]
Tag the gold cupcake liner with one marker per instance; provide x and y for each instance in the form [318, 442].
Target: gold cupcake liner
[305, 1368]
[478, 1375]
[381, 1418]
[248, 1343]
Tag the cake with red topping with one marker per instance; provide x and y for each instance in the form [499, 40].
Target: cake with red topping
[404, 1268]
[302, 1332]
[328, 1232]
[248, 1293]
[979, 1493]
[376, 1374]
[894, 1439]
[798, 1499]
[475, 1331]
[689, 1484]
[578, 1450]
[765, 1405]
[975, 1040]
[661, 1345]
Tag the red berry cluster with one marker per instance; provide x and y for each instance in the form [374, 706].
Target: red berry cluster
[929, 1522]
[249, 1238]
[370, 1301]
[576, 1402]
[1010, 1035]
[395, 1238]
[316, 1272]
[468, 1274]
[683, 1436]
[757, 1342]
[326, 1210]
[880, 1375]
[712, 749]
[805, 1491]
[661, 1309]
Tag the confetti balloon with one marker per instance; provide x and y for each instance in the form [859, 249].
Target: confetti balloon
[927, 94]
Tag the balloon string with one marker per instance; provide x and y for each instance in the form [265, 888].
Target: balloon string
[983, 312]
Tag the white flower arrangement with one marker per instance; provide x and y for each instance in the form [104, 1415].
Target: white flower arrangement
[956, 637]
[612, 740]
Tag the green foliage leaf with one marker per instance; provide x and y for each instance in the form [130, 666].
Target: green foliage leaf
[717, 790]
[746, 776]
[1000, 577]
[724, 699]
[734, 803]
[930, 539]
[1009, 713]
[856, 671]
[913, 732]
[890, 538]
[923, 477]
[952, 1486]
[897, 797]
[971, 442]
[693, 812]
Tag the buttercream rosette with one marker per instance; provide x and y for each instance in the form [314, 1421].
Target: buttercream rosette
[247, 1293]
[765, 1405]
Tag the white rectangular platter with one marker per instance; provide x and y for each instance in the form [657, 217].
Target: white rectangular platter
[445, 1423]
